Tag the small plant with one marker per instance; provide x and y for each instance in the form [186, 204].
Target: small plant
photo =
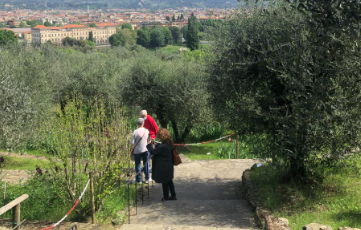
[226, 151]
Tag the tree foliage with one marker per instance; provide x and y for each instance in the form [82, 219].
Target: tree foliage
[157, 38]
[87, 140]
[292, 72]
[123, 37]
[7, 36]
[173, 90]
[91, 37]
[175, 33]
[22, 25]
[143, 37]
[127, 25]
[73, 42]
[192, 33]
[168, 38]
[47, 23]
[92, 24]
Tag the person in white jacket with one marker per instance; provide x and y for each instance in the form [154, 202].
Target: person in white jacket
[139, 139]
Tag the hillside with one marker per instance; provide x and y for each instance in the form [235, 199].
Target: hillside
[108, 4]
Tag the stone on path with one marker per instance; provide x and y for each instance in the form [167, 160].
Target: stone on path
[315, 226]
[208, 194]
[348, 228]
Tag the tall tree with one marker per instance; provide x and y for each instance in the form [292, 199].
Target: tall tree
[292, 73]
[173, 18]
[182, 17]
[168, 38]
[167, 18]
[143, 38]
[91, 38]
[175, 33]
[184, 31]
[157, 37]
[192, 33]
[173, 90]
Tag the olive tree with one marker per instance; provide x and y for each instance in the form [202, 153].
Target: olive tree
[291, 72]
[174, 90]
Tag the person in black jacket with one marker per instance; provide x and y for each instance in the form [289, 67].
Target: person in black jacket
[163, 165]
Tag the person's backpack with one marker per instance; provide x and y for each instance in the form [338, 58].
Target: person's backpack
[176, 158]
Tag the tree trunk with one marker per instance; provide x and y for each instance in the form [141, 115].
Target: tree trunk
[163, 122]
[175, 130]
[186, 133]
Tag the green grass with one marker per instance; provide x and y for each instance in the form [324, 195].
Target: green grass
[114, 203]
[218, 150]
[335, 202]
[12, 163]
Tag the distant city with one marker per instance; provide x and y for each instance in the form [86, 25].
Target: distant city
[40, 26]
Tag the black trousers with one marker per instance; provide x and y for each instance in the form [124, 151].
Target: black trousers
[169, 186]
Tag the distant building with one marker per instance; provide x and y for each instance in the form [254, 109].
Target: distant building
[41, 34]
[14, 22]
[27, 36]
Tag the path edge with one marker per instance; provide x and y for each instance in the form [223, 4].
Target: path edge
[263, 217]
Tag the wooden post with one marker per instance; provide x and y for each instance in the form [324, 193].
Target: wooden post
[4, 190]
[16, 215]
[92, 202]
[237, 147]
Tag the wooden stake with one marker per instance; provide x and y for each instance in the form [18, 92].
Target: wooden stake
[237, 147]
[16, 215]
[92, 202]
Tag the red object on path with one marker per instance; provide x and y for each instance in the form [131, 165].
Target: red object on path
[152, 127]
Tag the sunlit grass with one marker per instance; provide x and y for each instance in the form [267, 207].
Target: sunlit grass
[335, 202]
[18, 163]
[215, 151]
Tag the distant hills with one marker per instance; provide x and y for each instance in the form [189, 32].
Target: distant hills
[109, 4]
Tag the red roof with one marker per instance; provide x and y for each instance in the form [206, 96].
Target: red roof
[105, 24]
[40, 27]
[72, 26]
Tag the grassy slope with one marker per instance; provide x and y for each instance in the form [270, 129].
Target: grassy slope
[171, 49]
[335, 202]
[11, 163]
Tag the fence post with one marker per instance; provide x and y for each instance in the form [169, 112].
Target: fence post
[92, 202]
[16, 215]
[237, 147]
[4, 190]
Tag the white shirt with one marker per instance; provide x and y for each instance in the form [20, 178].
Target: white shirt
[142, 145]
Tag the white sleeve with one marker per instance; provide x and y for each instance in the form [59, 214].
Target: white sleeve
[133, 139]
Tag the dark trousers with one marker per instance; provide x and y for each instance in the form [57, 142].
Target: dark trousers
[137, 158]
[166, 187]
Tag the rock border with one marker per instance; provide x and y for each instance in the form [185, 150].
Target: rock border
[264, 218]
